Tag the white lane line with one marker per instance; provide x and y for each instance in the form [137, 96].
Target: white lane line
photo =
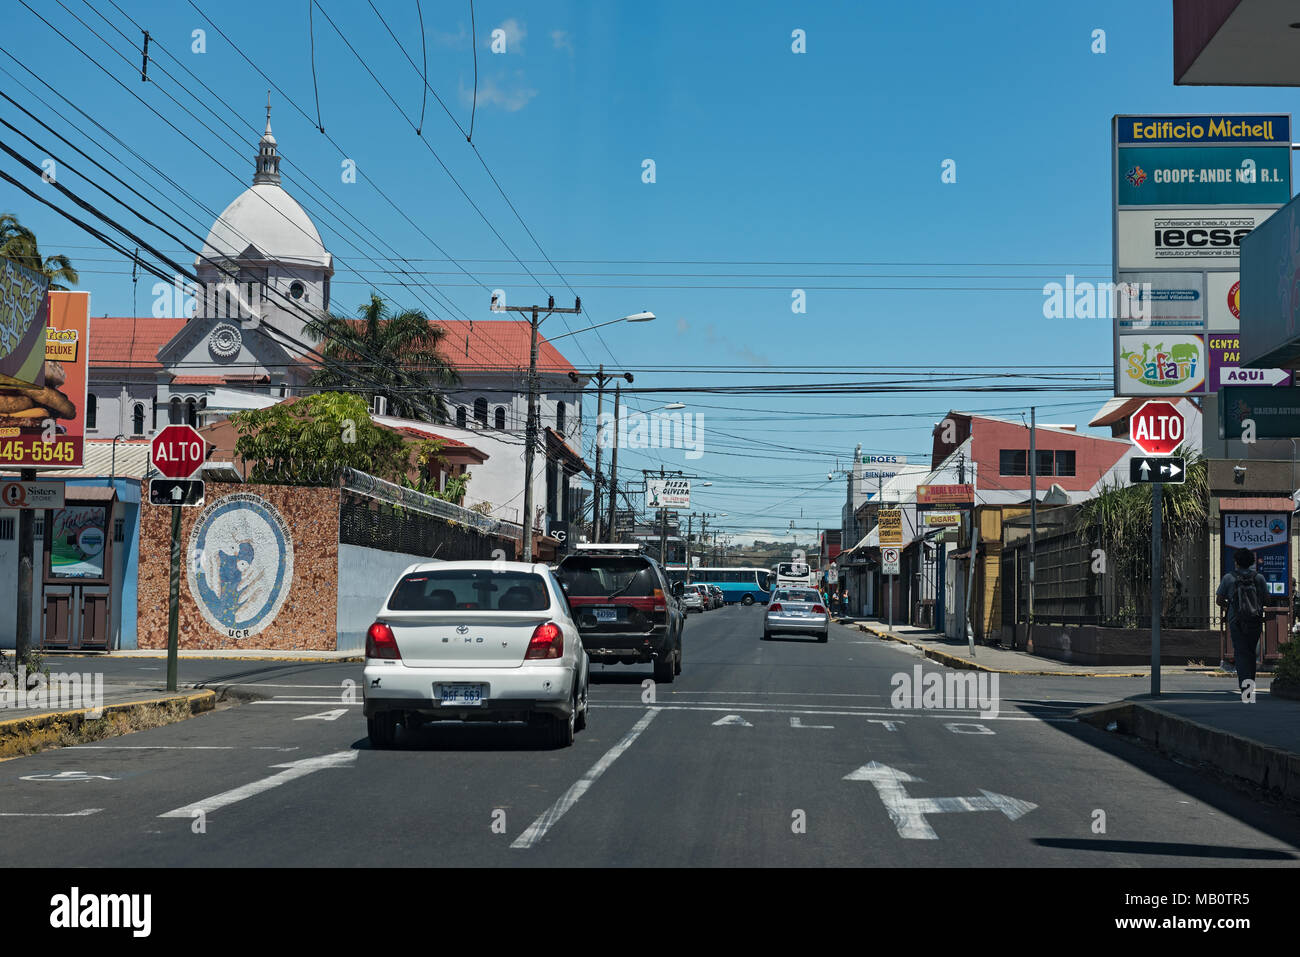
[537, 830]
[852, 714]
[84, 813]
[292, 771]
[784, 694]
[317, 703]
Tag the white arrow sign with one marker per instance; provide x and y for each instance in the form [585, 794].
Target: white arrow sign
[1235, 376]
[1172, 470]
[908, 813]
[732, 719]
[291, 772]
[1145, 468]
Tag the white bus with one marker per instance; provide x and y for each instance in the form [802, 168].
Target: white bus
[793, 575]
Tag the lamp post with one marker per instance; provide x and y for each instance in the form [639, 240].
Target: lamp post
[530, 429]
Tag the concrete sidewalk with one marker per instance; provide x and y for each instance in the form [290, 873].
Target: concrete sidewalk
[1258, 743]
[956, 654]
[250, 654]
[34, 722]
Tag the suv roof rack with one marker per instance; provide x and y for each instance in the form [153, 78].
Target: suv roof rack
[607, 547]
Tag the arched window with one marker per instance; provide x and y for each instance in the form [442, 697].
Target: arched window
[137, 419]
[174, 412]
[460, 417]
[559, 417]
[92, 410]
[499, 419]
[480, 411]
[191, 413]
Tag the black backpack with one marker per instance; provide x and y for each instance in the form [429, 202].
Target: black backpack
[1247, 610]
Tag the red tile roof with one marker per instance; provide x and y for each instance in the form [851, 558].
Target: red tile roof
[130, 343]
[498, 344]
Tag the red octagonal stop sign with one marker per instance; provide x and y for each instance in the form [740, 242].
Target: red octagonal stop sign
[1156, 428]
[178, 451]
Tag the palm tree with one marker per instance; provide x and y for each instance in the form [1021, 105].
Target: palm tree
[382, 353]
[18, 243]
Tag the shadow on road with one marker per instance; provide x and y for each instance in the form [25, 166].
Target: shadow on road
[1164, 848]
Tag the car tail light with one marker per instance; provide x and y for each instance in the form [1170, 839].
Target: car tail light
[774, 607]
[818, 610]
[547, 642]
[659, 603]
[380, 642]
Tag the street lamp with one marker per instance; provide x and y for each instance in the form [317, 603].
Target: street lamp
[530, 429]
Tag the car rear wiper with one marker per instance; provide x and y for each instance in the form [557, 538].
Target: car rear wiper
[629, 584]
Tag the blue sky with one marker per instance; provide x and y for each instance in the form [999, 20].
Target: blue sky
[764, 159]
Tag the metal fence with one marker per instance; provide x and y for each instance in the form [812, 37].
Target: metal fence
[1078, 584]
[379, 514]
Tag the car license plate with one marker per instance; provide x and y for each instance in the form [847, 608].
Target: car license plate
[607, 614]
[460, 694]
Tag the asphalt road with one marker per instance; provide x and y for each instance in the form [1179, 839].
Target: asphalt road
[785, 753]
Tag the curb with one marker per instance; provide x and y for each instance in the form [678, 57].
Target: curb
[1262, 765]
[162, 655]
[953, 661]
[58, 729]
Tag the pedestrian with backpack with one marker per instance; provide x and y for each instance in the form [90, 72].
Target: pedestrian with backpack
[1243, 593]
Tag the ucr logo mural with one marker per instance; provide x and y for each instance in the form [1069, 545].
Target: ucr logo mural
[240, 564]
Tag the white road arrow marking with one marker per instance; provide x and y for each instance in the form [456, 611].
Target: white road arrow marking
[66, 776]
[732, 719]
[324, 715]
[292, 771]
[796, 723]
[908, 813]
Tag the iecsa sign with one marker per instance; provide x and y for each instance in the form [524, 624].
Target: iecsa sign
[178, 451]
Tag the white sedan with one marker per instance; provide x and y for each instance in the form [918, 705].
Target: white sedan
[475, 641]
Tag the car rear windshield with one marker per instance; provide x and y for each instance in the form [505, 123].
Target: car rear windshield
[608, 577]
[470, 590]
[800, 595]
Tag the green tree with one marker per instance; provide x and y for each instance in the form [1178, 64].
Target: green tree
[308, 441]
[18, 243]
[388, 354]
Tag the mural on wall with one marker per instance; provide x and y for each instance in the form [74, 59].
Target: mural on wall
[240, 564]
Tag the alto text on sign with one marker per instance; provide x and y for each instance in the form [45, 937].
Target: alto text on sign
[1157, 428]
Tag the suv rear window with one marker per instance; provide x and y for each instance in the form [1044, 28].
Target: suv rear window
[608, 577]
[479, 589]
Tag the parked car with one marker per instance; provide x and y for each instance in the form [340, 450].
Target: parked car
[691, 599]
[626, 609]
[718, 599]
[706, 597]
[475, 641]
[797, 611]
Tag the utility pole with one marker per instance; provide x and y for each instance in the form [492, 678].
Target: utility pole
[595, 489]
[613, 472]
[690, 522]
[663, 529]
[1033, 518]
[530, 429]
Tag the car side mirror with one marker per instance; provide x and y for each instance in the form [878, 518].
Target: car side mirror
[678, 589]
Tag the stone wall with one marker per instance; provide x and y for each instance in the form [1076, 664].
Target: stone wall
[259, 569]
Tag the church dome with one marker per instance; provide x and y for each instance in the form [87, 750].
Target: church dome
[267, 219]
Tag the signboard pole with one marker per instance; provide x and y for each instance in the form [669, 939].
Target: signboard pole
[26, 543]
[1156, 595]
[174, 600]
[891, 603]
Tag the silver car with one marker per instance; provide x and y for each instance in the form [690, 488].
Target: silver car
[691, 599]
[797, 611]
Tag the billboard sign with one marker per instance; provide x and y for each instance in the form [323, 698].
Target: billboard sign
[668, 493]
[1205, 176]
[1159, 301]
[891, 526]
[941, 519]
[1275, 412]
[1225, 366]
[43, 418]
[1160, 364]
[1188, 192]
[1266, 534]
[945, 494]
[1188, 239]
[1202, 128]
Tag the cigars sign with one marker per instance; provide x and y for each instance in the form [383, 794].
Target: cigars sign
[43, 370]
